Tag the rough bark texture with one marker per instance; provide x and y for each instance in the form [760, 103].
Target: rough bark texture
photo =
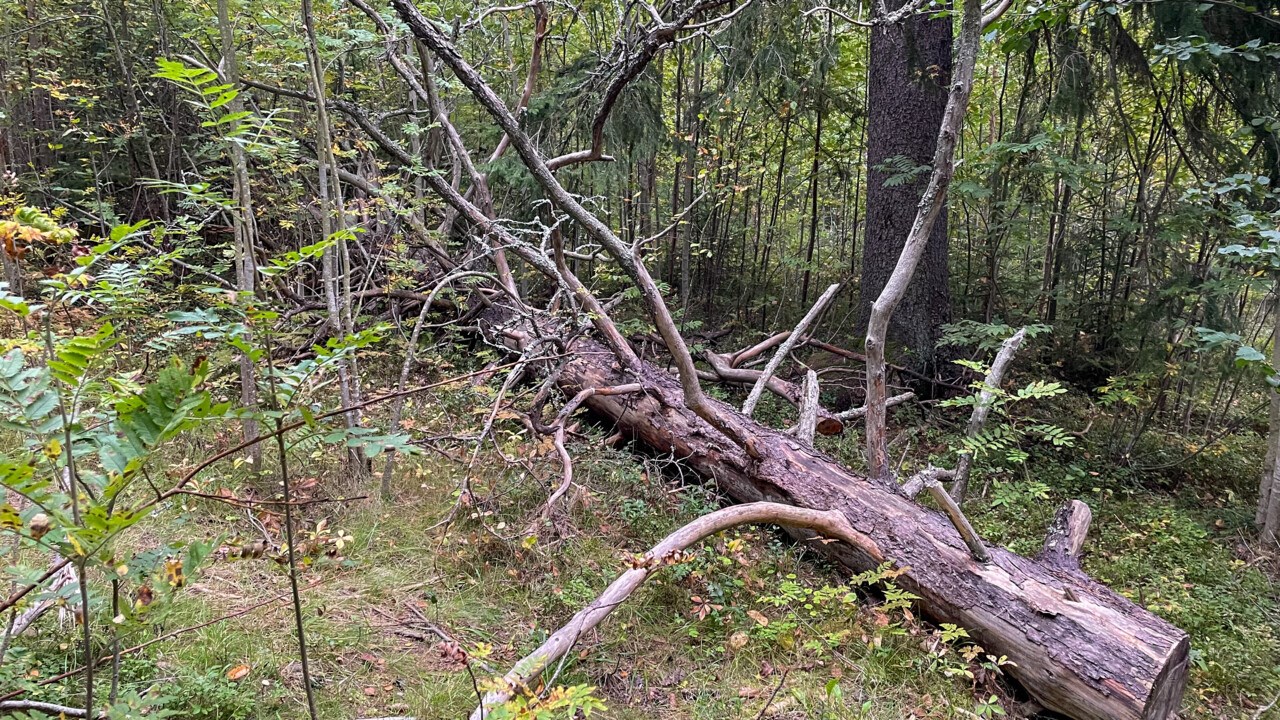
[909, 70]
[1081, 649]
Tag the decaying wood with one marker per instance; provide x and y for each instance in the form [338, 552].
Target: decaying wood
[1081, 649]
[931, 479]
[983, 408]
[827, 423]
[1065, 540]
[11, 706]
[854, 413]
[930, 206]
[808, 409]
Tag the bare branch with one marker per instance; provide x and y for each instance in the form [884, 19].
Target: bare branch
[660, 35]
[808, 409]
[558, 436]
[930, 206]
[930, 479]
[439, 44]
[829, 523]
[854, 413]
[788, 345]
[990, 385]
[993, 11]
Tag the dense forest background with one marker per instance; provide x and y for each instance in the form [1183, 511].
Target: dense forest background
[224, 219]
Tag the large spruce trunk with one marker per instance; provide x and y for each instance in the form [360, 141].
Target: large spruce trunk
[1081, 649]
[909, 69]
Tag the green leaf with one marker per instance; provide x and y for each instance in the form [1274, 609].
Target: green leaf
[1246, 355]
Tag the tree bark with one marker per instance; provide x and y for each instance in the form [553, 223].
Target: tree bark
[981, 410]
[1268, 513]
[245, 224]
[909, 71]
[1081, 649]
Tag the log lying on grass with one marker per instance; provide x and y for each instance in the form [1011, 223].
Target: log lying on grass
[1080, 649]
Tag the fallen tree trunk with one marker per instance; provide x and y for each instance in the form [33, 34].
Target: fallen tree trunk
[1080, 649]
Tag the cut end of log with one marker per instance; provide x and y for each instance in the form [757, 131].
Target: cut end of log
[1167, 690]
[830, 425]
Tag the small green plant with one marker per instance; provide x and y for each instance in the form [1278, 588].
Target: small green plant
[983, 336]
[560, 703]
[989, 708]
[1005, 438]
[212, 696]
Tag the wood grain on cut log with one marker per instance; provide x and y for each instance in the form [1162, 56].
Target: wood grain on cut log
[1081, 649]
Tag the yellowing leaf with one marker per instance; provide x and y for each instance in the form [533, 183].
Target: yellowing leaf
[173, 573]
[9, 517]
[77, 548]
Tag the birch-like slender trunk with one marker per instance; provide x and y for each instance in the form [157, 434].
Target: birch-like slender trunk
[1268, 514]
[336, 263]
[244, 223]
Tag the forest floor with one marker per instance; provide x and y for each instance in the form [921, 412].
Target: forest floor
[751, 626]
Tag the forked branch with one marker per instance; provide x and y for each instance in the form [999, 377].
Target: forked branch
[596, 228]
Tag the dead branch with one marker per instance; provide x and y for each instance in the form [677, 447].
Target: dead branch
[828, 523]
[659, 35]
[745, 355]
[828, 424]
[788, 345]
[599, 231]
[8, 706]
[558, 436]
[931, 479]
[931, 203]
[1065, 540]
[540, 19]
[808, 409]
[855, 413]
[986, 398]
[859, 357]
[64, 576]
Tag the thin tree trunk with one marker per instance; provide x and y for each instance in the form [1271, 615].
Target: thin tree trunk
[245, 226]
[336, 262]
[1268, 513]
